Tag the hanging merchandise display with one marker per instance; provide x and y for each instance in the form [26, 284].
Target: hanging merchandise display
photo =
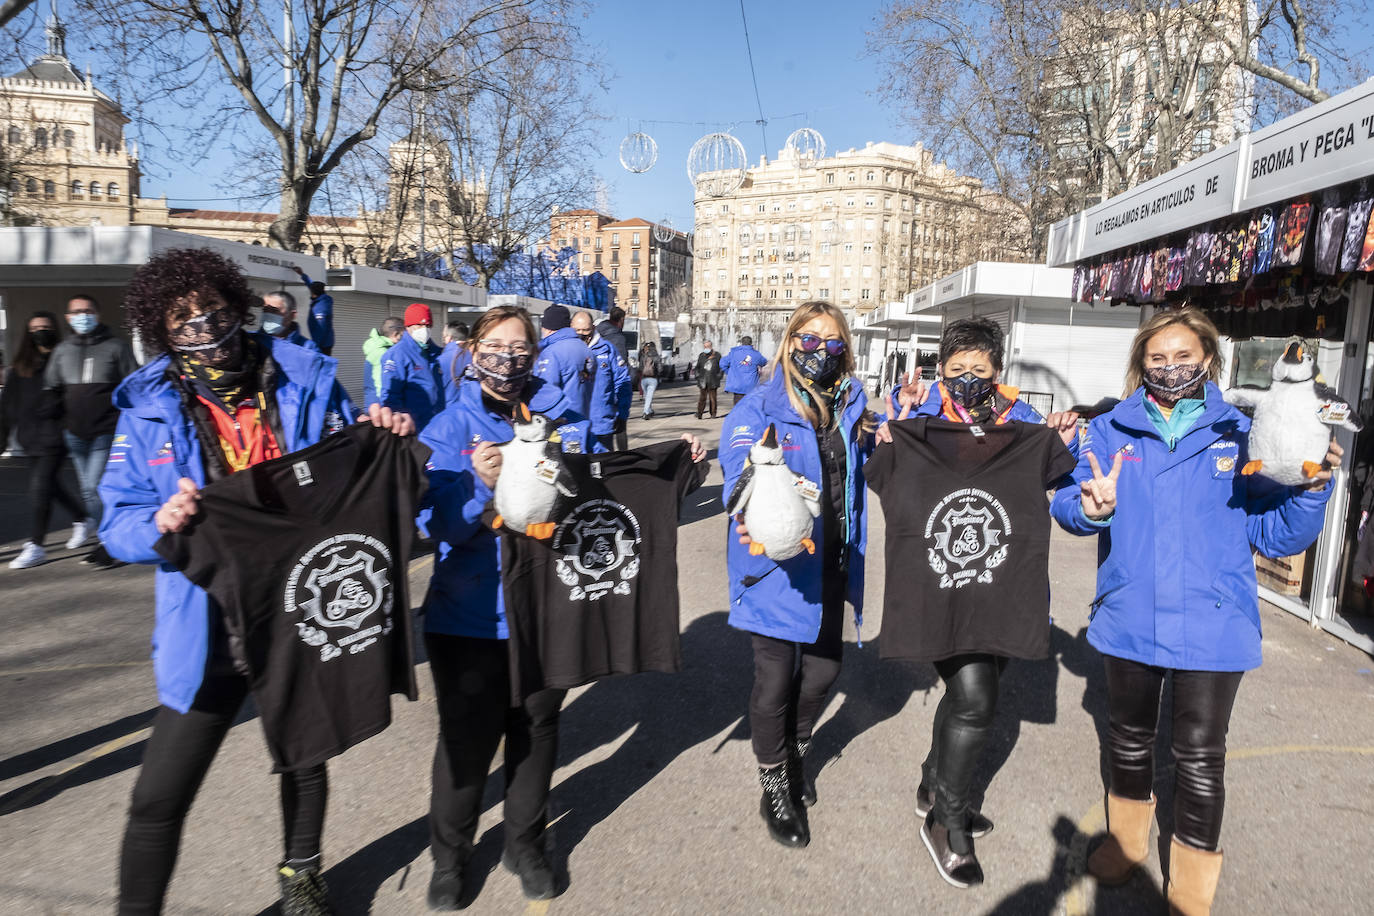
[638, 152]
[716, 164]
[664, 231]
[806, 146]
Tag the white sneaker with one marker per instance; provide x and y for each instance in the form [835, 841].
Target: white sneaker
[32, 555]
[81, 533]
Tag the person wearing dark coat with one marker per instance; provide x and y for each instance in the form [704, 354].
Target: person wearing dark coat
[708, 379]
[32, 413]
[612, 331]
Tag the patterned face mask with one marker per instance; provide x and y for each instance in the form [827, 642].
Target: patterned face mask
[212, 337]
[503, 373]
[968, 390]
[817, 367]
[1171, 384]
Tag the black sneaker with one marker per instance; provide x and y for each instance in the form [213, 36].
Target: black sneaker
[445, 890]
[100, 559]
[535, 872]
[302, 890]
[978, 825]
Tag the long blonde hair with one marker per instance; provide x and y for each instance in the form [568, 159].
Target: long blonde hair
[1190, 318]
[814, 410]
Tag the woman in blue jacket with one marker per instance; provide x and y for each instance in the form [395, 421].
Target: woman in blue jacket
[1176, 590]
[218, 399]
[795, 608]
[465, 620]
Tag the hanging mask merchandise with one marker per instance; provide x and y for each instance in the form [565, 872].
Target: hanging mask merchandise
[817, 367]
[968, 390]
[505, 373]
[1172, 384]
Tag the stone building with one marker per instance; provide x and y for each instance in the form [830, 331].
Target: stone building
[651, 278]
[859, 229]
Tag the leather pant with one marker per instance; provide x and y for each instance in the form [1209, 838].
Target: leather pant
[1201, 716]
[963, 721]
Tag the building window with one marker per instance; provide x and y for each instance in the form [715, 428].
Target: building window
[634, 293]
[868, 247]
[851, 202]
[634, 256]
[50, 190]
[871, 176]
[706, 295]
[865, 294]
[14, 136]
[40, 138]
[848, 247]
[870, 201]
[772, 294]
[112, 190]
[586, 224]
[68, 138]
[758, 294]
[31, 187]
[823, 292]
[95, 189]
[852, 177]
[634, 238]
[634, 274]
[787, 294]
[597, 245]
[78, 189]
[829, 177]
[586, 259]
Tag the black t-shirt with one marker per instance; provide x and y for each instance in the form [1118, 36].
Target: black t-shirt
[600, 596]
[306, 556]
[968, 537]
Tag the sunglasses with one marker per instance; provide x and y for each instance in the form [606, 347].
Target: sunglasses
[810, 343]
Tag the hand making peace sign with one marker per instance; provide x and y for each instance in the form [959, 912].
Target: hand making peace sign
[1099, 492]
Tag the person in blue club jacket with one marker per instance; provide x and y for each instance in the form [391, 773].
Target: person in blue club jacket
[610, 377]
[454, 359]
[742, 366]
[216, 399]
[410, 369]
[320, 317]
[795, 609]
[564, 358]
[279, 319]
[1160, 483]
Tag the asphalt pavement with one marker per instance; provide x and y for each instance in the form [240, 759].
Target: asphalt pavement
[655, 802]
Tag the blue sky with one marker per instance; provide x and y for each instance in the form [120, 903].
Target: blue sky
[686, 62]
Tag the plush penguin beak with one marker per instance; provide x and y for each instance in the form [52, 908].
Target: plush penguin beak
[770, 437]
[524, 411]
[1294, 353]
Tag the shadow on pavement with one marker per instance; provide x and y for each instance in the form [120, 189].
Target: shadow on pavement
[66, 748]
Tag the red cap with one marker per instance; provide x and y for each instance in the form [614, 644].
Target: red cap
[417, 313]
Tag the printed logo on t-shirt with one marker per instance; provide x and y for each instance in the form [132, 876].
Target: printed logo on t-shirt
[967, 528]
[598, 548]
[342, 588]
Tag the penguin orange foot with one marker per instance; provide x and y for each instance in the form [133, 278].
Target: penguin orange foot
[1251, 467]
[541, 531]
[810, 545]
[1311, 469]
[497, 521]
[755, 548]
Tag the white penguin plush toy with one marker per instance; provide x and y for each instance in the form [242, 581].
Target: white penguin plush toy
[777, 503]
[1292, 419]
[532, 478]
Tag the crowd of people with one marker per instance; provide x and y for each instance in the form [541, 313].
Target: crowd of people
[219, 397]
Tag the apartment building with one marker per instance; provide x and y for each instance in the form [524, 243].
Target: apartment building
[651, 278]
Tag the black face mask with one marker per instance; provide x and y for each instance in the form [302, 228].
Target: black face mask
[969, 390]
[44, 337]
[1171, 384]
[504, 373]
[817, 367]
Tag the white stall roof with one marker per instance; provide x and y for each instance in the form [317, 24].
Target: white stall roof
[999, 280]
[22, 248]
[359, 279]
[1327, 144]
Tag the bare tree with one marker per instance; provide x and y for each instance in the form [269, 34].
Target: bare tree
[316, 83]
[518, 148]
[1057, 104]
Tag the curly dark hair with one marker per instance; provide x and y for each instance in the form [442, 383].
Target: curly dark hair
[175, 273]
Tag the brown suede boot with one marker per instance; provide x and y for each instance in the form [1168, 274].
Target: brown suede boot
[1128, 843]
[1193, 875]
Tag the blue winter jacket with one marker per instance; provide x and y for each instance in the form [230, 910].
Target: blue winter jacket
[610, 380]
[299, 339]
[320, 319]
[783, 600]
[1175, 577]
[565, 361]
[465, 596]
[410, 380]
[154, 445]
[452, 361]
[741, 366]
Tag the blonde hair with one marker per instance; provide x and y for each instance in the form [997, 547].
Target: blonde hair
[814, 410]
[1190, 318]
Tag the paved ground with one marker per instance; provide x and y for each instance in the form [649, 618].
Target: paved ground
[655, 800]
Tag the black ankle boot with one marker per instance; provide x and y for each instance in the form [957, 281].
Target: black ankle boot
[445, 889]
[803, 789]
[535, 873]
[786, 823]
[978, 825]
[960, 869]
[302, 889]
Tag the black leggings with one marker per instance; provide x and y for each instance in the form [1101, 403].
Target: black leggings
[963, 721]
[472, 687]
[46, 486]
[178, 754]
[1201, 716]
[789, 693]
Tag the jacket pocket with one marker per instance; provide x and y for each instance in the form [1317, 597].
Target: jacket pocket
[1109, 585]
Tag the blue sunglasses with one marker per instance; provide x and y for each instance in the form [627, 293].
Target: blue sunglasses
[810, 343]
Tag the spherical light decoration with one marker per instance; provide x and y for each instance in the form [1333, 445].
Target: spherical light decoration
[807, 146]
[716, 164]
[638, 152]
[664, 231]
